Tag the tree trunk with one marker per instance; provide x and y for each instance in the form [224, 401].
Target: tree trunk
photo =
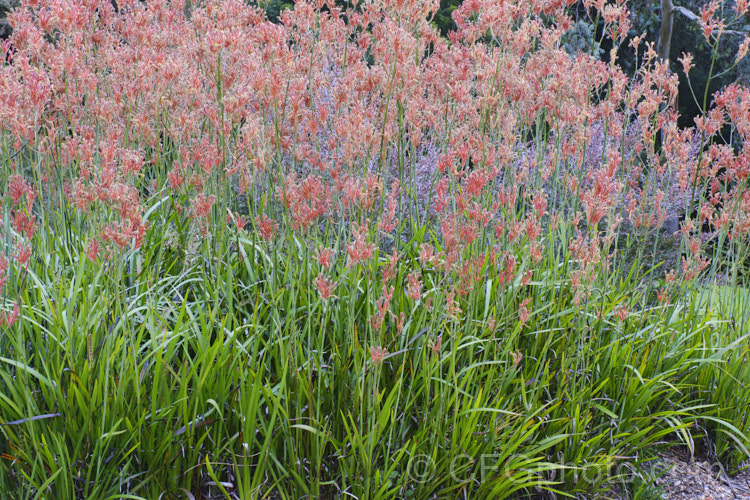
[665, 36]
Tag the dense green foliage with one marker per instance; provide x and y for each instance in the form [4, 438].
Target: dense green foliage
[229, 373]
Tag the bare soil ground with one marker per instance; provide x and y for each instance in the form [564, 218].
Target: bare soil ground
[699, 479]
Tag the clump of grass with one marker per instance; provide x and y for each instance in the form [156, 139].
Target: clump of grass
[343, 256]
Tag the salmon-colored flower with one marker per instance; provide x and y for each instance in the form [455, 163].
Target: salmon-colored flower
[7, 319]
[517, 357]
[175, 179]
[324, 256]
[3, 270]
[267, 227]
[377, 355]
[23, 223]
[621, 313]
[92, 249]
[523, 312]
[23, 253]
[239, 221]
[453, 308]
[202, 205]
[325, 286]
[414, 288]
[359, 250]
[17, 188]
[436, 345]
[687, 63]
[742, 51]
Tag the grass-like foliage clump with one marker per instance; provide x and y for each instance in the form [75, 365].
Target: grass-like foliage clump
[343, 256]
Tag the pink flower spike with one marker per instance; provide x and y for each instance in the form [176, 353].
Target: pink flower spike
[239, 221]
[741, 7]
[414, 288]
[687, 62]
[517, 357]
[359, 250]
[325, 287]
[3, 270]
[92, 250]
[742, 52]
[8, 319]
[202, 205]
[266, 226]
[621, 313]
[23, 223]
[377, 355]
[436, 346]
[523, 312]
[23, 253]
[324, 256]
[17, 188]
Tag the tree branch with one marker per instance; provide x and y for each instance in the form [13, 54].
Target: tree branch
[665, 35]
[697, 19]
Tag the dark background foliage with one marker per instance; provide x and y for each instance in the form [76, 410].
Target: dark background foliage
[646, 19]
[687, 38]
